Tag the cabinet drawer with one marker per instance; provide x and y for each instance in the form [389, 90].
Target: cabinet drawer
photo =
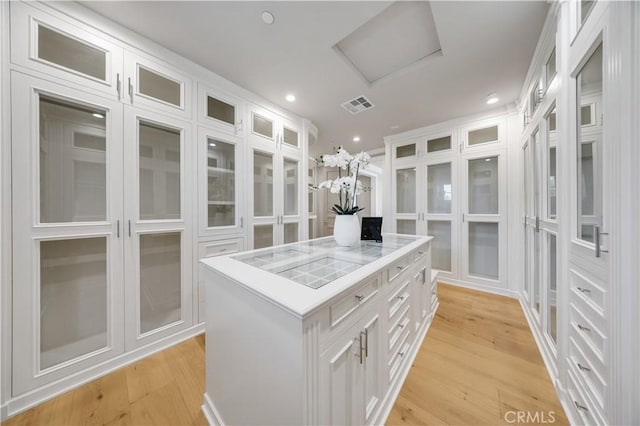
[588, 371]
[587, 291]
[581, 403]
[398, 328]
[420, 255]
[398, 298]
[219, 248]
[347, 305]
[397, 358]
[584, 329]
[398, 267]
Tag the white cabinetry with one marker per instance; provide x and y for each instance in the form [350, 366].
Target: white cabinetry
[276, 171]
[447, 181]
[341, 361]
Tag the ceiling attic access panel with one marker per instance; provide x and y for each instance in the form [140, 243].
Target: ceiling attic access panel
[402, 35]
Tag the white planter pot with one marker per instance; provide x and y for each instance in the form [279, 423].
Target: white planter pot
[346, 230]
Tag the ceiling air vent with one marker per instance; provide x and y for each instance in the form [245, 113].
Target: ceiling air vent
[357, 105]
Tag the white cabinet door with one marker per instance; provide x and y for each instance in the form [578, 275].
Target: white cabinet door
[220, 189]
[65, 49]
[483, 215]
[351, 375]
[340, 373]
[155, 85]
[406, 204]
[220, 110]
[158, 235]
[67, 227]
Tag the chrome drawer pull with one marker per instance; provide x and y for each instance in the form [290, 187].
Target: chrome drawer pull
[400, 268]
[582, 367]
[359, 298]
[401, 354]
[580, 406]
[401, 325]
[401, 297]
[584, 290]
[583, 328]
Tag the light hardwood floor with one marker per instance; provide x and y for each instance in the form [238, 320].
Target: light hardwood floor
[478, 362]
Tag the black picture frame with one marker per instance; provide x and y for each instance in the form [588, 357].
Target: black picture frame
[371, 229]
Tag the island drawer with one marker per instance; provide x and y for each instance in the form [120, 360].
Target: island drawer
[421, 254]
[399, 298]
[347, 305]
[397, 358]
[398, 267]
[398, 329]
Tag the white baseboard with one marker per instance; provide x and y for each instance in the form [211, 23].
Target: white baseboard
[210, 412]
[30, 399]
[480, 287]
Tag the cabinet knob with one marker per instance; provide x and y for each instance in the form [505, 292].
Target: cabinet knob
[582, 367]
[583, 290]
[580, 406]
[401, 297]
[359, 297]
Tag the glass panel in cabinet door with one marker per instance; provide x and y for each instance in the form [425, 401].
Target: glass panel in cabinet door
[290, 233]
[262, 184]
[586, 115]
[73, 299]
[73, 155]
[439, 188]
[221, 183]
[363, 200]
[290, 137]
[406, 226]
[159, 87]
[589, 179]
[406, 191]
[550, 67]
[71, 53]
[483, 249]
[552, 296]
[290, 176]
[535, 273]
[312, 229]
[406, 151]
[221, 110]
[585, 8]
[262, 126]
[160, 280]
[439, 144]
[160, 180]
[485, 135]
[262, 236]
[440, 230]
[483, 186]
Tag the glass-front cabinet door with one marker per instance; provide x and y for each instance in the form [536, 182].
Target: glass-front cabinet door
[290, 220]
[483, 217]
[405, 202]
[220, 111]
[439, 213]
[71, 52]
[158, 242]
[157, 86]
[219, 190]
[263, 218]
[68, 231]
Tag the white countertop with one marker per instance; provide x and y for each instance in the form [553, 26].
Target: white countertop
[301, 277]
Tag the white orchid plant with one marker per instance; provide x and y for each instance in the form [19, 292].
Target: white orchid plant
[347, 185]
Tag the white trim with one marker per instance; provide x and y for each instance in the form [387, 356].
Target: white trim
[210, 412]
[513, 294]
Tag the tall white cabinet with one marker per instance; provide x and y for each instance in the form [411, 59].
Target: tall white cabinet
[449, 181]
[128, 164]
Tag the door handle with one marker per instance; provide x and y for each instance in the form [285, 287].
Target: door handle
[130, 90]
[129, 228]
[118, 85]
[366, 343]
[537, 223]
[118, 228]
[596, 237]
[361, 360]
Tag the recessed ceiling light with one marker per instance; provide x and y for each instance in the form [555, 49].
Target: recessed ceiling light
[492, 98]
[290, 97]
[267, 17]
[356, 138]
[212, 144]
[97, 115]
[487, 159]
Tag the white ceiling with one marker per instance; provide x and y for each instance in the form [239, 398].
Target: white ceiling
[486, 47]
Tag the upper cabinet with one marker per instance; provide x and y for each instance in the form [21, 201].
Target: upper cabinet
[152, 84]
[221, 111]
[68, 51]
[483, 133]
[273, 132]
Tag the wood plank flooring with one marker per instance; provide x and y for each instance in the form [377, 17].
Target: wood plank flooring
[478, 362]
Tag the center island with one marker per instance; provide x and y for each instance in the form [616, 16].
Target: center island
[313, 333]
